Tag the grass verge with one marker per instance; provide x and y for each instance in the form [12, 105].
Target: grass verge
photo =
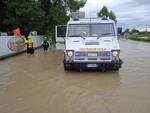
[137, 38]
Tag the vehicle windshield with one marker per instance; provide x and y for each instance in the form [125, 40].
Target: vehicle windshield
[92, 30]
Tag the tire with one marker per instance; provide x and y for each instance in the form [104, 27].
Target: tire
[66, 68]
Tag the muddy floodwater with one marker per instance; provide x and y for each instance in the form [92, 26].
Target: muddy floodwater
[38, 84]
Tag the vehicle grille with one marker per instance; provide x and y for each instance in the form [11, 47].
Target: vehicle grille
[91, 43]
[92, 56]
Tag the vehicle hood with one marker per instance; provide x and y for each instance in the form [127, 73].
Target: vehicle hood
[92, 43]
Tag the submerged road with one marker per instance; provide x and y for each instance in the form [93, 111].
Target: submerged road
[38, 84]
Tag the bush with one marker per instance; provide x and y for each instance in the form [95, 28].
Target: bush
[139, 38]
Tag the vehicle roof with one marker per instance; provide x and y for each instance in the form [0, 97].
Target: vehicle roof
[90, 21]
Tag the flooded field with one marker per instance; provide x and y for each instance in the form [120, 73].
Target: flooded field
[38, 84]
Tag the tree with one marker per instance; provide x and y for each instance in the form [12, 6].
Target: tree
[3, 9]
[21, 12]
[75, 5]
[45, 5]
[39, 15]
[56, 12]
[127, 30]
[112, 16]
[105, 12]
[134, 31]
[57, 16]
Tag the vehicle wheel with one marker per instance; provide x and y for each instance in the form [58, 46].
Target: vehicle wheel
[66, 68]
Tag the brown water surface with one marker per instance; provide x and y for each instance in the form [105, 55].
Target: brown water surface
[38, 84]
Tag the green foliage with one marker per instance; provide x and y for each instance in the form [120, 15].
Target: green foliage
[134, 31]
[112, 16]
[143, 34]
[45, 5]
[105, 12]
[127, 30]
[23, 12]
[39, 15]
[75, 5]
[3, 8]
[137, 38]
[57, 16]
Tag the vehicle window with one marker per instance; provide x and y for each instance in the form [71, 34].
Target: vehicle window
[76, 30]
[102, 30]
[61, 31]
[92, 30]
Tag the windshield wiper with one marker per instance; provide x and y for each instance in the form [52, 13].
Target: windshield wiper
[74, 36]
[77, 36]
[106, 33]
[99, 36]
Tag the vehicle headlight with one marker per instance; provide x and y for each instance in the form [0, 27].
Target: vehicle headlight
[70, 53]
[115, 53]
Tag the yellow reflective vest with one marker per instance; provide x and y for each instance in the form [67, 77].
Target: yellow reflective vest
[30, 44]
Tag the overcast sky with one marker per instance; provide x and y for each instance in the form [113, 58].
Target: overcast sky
[130, 13]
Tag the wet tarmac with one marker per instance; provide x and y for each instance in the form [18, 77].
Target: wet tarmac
[38, 84]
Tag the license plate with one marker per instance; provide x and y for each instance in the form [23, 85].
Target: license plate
[91, 65]
[92, 54]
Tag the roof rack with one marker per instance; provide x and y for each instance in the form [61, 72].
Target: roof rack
[77, 15]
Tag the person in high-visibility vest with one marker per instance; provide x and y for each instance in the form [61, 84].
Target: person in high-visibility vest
[25, 31]
[45, 44]
[30, 49]
[25, 40]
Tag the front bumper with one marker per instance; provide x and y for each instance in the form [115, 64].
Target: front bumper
[99, 65]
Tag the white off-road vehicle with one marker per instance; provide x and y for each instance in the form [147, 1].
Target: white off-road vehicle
[91, 43]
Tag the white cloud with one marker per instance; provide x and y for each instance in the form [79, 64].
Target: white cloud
[130, 13]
